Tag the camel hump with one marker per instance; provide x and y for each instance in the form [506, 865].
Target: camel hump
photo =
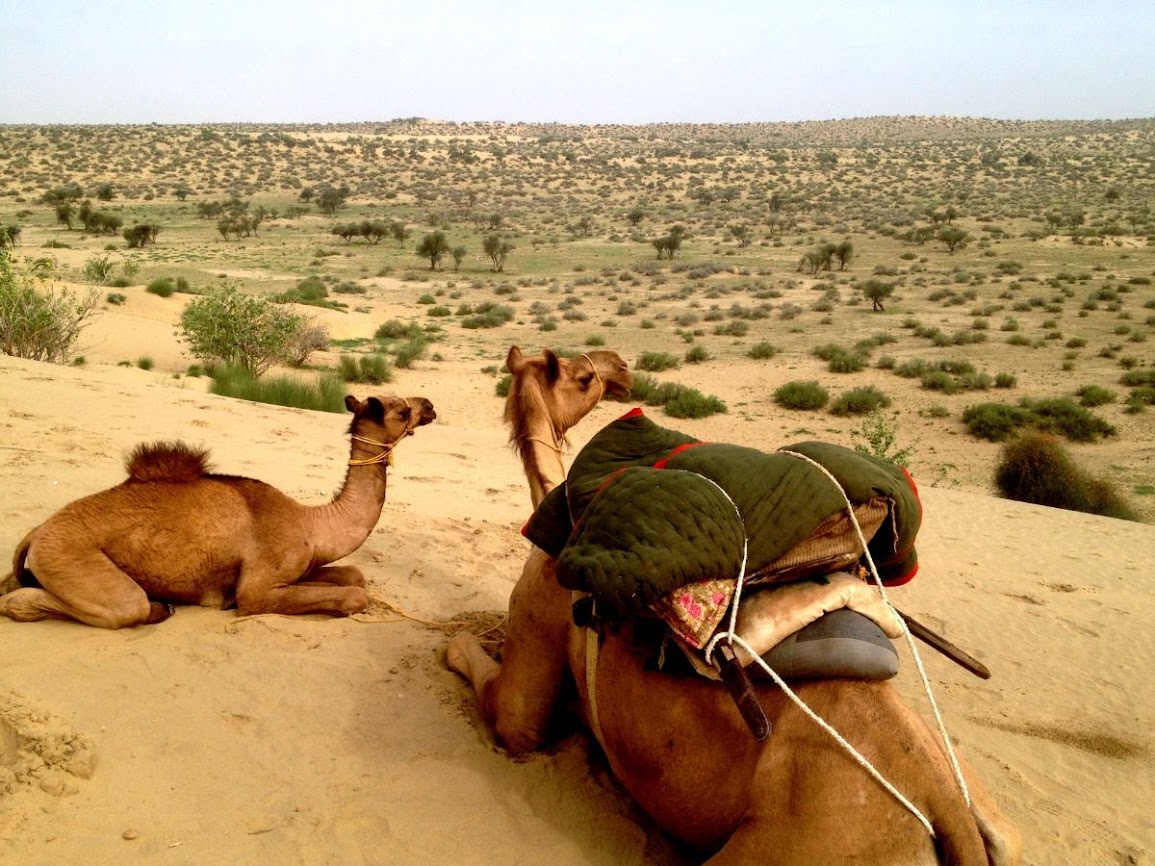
[167, 461]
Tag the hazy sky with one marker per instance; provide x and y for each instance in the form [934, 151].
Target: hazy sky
[597, 61]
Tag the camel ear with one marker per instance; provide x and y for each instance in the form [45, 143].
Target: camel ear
[352, 403]
[374, 410]
[552, 366]
[513, 360]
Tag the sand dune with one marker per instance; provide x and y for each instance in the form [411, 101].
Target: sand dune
[213, 740]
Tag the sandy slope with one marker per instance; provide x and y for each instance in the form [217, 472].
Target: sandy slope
[208, 740]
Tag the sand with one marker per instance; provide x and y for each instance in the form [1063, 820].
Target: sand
[210, 739]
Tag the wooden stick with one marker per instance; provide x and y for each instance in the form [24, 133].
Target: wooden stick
[945, 647]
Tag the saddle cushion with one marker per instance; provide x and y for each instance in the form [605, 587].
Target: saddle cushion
[646, 510]
[840, 644]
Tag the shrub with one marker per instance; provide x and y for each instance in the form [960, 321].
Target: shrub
[405, 354]
[145, 362]
[994, 421]
[370, 369]
[36, 321]
[655, 362]
[1063, 415]
[881, 437]
[327, 394]
[395, 329]
[801, 395]
[1095, 395]
[1036, 468]
[697, 355]
[860, 401]
[678, 401]
[488, 315]
[762, 351]
[234, 329]
[162, 287]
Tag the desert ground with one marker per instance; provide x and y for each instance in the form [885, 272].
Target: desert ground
[216, 739]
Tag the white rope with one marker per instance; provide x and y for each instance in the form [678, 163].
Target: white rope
[905, 630]
[822, 723]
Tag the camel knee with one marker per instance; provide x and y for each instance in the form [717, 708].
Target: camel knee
[23, 605]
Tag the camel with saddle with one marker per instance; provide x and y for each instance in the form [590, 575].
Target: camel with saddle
[174, 532]
[743, 768]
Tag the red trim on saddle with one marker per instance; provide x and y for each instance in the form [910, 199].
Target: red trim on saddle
[636, 412]
[661, 464]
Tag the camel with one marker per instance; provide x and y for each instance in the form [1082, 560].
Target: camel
[174, 532]
[548, 396]
[683, 751]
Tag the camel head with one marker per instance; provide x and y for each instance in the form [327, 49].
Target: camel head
[387, 420]
[558, 392]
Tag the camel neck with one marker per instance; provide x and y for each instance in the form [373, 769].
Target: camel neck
[543, 467]
[343, 525]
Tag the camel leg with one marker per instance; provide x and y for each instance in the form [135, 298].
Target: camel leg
[93, 591]
[258, 593]
[1003, 843]
[518, 696]
[338, 575]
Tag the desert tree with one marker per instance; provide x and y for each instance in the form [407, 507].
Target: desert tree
[844, 252]
[65, 211]
[331, 199]
[953, 237]
[635, 215]
[458, 254]
[669, 245]
[141, 234]
[498, 251]
[742, 234]
[433, 246]
[105, 192]
[876, 291]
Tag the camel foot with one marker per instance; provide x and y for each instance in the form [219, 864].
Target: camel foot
[457, 652]
[158, 612]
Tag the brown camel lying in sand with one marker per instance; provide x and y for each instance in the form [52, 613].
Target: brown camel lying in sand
[547, 396]
[680, 747]
[173, 532]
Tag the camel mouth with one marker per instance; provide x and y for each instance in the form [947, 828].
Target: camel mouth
[619, 388]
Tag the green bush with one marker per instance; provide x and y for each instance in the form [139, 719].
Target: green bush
[38, 322]
[880, 440]
[678, 401]
[801, 396]
[860, 401]
[1064, 416]
[395, 329]
[1095, 395]
[762, 351]
[327, 394]
[242, 330]
[162, 287]
[1035, 468]
[690, 403]
[697, 355]
[369, 369]
[655, 362]
[488, 315]
[994, 421]
[406, 353]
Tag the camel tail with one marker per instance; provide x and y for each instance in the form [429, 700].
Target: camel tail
[174, 462]
[19, 575]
